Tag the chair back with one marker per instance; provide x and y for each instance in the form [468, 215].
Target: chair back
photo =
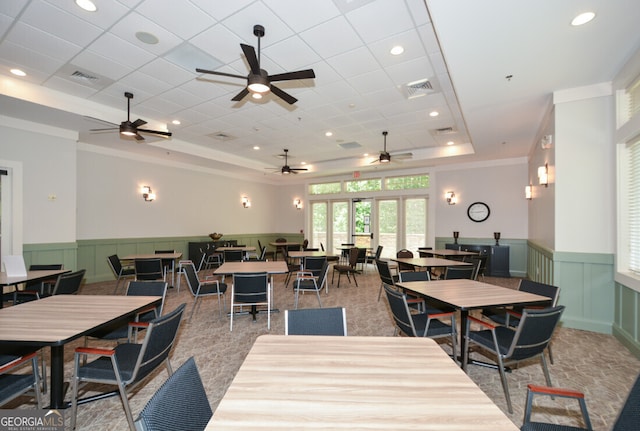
[149, 288]
[233, 255]
[33, 285]
[158, 341]
[69, 284]
[315, 321]
[149, 269]
[314, 264]
[458, 272]
[385, 273]
[322, 277]
[534, 332]
[362, 255]
[263, 252]
[400, 310]
[403, 266]
[192, 278]
[115, 264]
[305, 244]
[354, 253]
[629, 416]
[378, 252]
[415, 276]
[481, 261]
[251, 288]
[180, 403]
[423, 251]
[548, 290]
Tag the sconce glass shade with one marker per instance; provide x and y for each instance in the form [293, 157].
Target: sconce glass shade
[451, 198]
[528, 192]
[297, 203]
[147, 194]
[543, 175]
[246, 203]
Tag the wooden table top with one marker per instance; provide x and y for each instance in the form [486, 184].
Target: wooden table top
[246, 248]
[153, 256]
[447, 252]
[270, 267]
[31, 276]
[355, 383]
[470, 294]
[58, 319]
[284, 244]
[429, 261]
[307, 253]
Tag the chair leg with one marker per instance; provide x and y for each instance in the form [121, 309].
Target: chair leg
[545, 369]
[505, 385]
[354, 279]
[318, 295]
[550, 355]
[380, 291]
[193, 309]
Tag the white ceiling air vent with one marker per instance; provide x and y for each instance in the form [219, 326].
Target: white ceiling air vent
[419, 88]
[444, 131]
[84, 77]
[221, 136]
[349, 145]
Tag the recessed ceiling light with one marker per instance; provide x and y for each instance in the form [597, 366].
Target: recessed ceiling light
[450, 143]
[366, 154]
[148, 38]
[328, 134]
[176, 122]
[18, 72]
[303, 163]
[434, 114]
[397, 50]
[255, 147]
[583, 18]
[87, 5]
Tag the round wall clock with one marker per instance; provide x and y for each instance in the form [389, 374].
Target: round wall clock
[478, 211]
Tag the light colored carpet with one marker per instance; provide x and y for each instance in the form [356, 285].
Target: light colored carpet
[594, 363]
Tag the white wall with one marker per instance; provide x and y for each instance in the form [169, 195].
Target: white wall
[500, 185]
[48, 158]
[585, 184]
[189, 201]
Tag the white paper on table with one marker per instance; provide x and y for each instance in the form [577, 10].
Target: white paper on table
[14, 266]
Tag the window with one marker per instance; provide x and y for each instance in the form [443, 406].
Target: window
[363, 185]
[415, 215]
[318, 224]
[408, 182]
[633, 205]
[325, 188]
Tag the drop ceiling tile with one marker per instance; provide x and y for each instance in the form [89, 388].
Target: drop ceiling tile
[41, 42]
[418, 11]
[174, 11]
[138, 81]
[133, 23]
[242, 22]
[93, 62]
[107, 15]
[297, 14]
[410, 71]
[353, 63]
[291, 54]
[117, 49]
[372, 21]
[5, 23]
[162, 105]
[219, 42]
[409, 40]
[59, 23]
[168, 72]
[208, 90]
[221, 9]
[69, 87]
[12, 8]
[322, 37]
[370, 81]
[17, 55]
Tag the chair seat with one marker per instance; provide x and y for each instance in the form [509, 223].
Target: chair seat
[538, 426]
[485, 338]
[11, 384]
[212, 287]
[436, 327]
[102, 369]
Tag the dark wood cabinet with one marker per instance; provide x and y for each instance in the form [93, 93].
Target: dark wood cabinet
[497, 262]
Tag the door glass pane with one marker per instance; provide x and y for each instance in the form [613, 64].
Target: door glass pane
[415, 223]
[318, 224]
[362, 223]
[340, 224]
[388, 227]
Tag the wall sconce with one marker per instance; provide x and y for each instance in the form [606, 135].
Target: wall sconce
[451, 198]
[246, 203]
[543, 175]
[297, 203]
[147, 194]
[528, 192]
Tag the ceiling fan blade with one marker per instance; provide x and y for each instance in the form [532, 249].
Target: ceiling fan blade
[252, 59]
[299, 169]
[402, 155]
[156, 132]
[283, 95]
[103, 130]
[213, 72]
[98, 119]
[288, 76]
[138, 123]
[139, 137]
[238, 97]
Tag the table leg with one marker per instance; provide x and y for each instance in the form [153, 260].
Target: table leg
[56, 385]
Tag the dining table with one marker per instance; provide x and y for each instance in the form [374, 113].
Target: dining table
[355, 383]
[6, 281]
[445, 252]
[466, 295]
[55, 321]
[246, 249]
[428, 262]
[173, 257]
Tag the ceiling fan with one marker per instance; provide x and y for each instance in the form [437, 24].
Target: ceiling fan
[259, 82]
[286, 169]
[385, 156]
[132, 129]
